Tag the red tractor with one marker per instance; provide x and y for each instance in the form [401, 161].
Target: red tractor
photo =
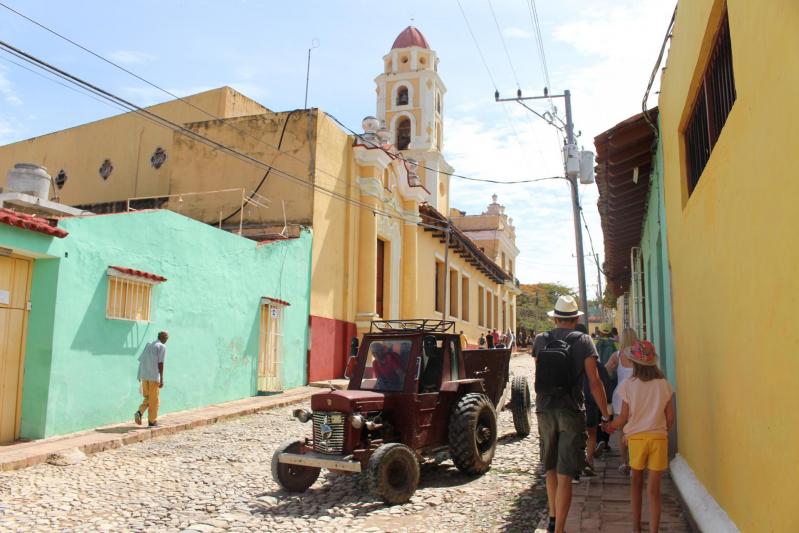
[413, 394]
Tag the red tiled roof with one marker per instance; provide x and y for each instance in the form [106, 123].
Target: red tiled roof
[410, 36]
[139, 273]
[32, 223]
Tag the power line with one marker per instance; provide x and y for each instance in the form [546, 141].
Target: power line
[163, 122]
[654, 72]
[477, 45]
[539, 41]
[504, 45]
[244, 132]
[158, 87]
[20, 65]
[488, 71]
[452, 174]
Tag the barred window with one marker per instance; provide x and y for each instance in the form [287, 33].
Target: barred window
[713, 103]
[130, 294]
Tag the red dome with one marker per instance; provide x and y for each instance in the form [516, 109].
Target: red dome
[410, 36]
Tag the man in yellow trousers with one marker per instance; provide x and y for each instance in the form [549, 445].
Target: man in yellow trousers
[151, 376]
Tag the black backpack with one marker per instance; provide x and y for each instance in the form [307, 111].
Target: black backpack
[554, 367]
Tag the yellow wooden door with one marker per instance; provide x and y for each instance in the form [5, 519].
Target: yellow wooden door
[14, 293]
[269, 353]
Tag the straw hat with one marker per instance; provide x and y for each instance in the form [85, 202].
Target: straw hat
[605, 328]
[565, 307]
[641, 353]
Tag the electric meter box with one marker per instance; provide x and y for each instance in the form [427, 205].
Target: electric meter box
[572, 160]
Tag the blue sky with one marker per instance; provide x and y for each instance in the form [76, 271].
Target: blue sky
[602, 50]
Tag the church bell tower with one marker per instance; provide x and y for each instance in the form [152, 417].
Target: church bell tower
[410, 99]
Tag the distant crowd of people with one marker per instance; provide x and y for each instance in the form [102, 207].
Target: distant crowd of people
[494, 339]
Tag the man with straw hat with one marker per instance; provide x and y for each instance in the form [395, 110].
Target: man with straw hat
[563, 358]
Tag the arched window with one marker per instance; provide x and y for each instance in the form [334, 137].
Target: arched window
[402, 96]
[403, 133]
[438, 103]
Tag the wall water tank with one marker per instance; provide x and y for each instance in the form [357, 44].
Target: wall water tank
[29, 179]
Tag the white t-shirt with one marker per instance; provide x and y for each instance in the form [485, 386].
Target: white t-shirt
[647, 401]
[153, 354]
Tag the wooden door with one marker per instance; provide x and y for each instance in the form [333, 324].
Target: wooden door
[14, 293]
[269, 354]
[381, 264]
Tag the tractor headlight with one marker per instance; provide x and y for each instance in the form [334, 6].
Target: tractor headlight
[303, 415]
[358, 421]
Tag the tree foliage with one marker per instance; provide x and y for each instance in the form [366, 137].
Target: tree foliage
[535, 301]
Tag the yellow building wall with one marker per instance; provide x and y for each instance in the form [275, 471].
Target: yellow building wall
[333, 275]
[734, 255]
[128, 140]
[199, 167]
[431, 250]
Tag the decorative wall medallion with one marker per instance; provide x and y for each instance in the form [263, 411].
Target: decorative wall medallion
[106, 169]
[158, 158]
[61, 178]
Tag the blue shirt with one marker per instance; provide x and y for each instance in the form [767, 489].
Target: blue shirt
[153, 354]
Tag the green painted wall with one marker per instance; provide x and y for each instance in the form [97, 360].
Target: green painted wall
[210, 304]
[654, 248]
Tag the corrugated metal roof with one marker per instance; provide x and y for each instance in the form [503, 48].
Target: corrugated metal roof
[624, 164]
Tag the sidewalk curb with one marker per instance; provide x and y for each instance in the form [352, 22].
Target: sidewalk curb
[25, 454]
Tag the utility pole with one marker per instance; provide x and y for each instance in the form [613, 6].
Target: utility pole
[571, 177]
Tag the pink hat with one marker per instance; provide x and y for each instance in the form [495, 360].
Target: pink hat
[641, 353]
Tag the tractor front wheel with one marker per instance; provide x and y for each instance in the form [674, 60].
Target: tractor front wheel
[293, 478]
[392, 473]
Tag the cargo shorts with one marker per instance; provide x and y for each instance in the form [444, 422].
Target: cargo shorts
[563, 439]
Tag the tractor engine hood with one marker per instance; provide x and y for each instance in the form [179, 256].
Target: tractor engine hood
[347, 401]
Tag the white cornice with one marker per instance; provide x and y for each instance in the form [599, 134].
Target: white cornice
[371, 157]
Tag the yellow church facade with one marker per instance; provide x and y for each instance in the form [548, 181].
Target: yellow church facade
[378, 202]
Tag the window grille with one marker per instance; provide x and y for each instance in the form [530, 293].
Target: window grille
[638, 296]
[128, 298]
[713, 103]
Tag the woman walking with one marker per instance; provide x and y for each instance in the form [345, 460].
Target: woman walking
[624, 370]
[648, 413]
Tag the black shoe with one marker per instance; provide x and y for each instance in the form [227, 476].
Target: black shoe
[152, 424]
[601, 448]
[551, 526]
[137, 418]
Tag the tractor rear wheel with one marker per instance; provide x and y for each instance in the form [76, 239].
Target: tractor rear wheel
[521, 406]
[293, 478]
[473, 433]
[392, 473]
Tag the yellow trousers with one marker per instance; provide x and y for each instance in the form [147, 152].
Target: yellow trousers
[150, 390]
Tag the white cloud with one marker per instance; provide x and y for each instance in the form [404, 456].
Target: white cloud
[611, 49]
[516, 33]
[131, 57]
[7, 89]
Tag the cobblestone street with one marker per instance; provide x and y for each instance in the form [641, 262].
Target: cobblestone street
[217, 478]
